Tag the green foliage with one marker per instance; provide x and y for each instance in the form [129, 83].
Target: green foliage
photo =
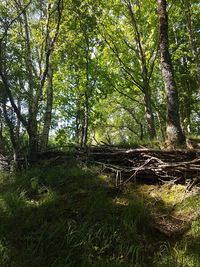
[98, 61]
[68, 215]
[4, 254]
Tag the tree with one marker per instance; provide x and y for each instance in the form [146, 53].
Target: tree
[127, 35]
[76, 78]
[31, 68]
[87, 71]
[174, 132]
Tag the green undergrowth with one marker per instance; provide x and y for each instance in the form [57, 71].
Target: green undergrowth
[71, 215]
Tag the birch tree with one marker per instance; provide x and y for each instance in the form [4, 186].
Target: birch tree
[174, 132]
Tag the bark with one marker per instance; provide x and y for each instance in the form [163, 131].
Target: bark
[149, 113]
[2, 138]
[78, 130]
[33, 137]
[48, 112]
[85, 123]
[84, 138]
[174, 132]
[18, 126]
[11, 128]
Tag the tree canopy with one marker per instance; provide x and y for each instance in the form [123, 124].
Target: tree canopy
[86, 72]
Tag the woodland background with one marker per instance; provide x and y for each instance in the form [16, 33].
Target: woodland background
[86, 72]
[99, 133]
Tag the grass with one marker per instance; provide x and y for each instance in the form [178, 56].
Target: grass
[71, 215]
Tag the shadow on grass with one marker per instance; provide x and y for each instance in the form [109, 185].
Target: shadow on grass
[71, 216]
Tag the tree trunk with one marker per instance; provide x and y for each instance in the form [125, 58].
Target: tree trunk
[149, 114]
[85, 123]
[33, 137]
[32, 104]
[2, 141]
[28, 60]
[18, 126]
[77, 128]
[162, 131]
[144, 73]
[84, 138]
[48, 112]
[11, 128]
[174, 132]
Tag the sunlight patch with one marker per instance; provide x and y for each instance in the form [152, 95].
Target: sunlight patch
[121, 201]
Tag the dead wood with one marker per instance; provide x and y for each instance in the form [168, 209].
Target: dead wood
[141, 164]
[149, 165]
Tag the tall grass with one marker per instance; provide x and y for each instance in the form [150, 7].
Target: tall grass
[68, 216]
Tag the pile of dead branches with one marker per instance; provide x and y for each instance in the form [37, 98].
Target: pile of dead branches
[147, 164]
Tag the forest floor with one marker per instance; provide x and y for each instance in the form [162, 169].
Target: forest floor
[72, 215]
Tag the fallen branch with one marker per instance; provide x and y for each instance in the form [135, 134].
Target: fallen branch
[148, 164]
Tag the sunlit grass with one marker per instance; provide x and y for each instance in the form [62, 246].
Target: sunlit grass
[72, 215]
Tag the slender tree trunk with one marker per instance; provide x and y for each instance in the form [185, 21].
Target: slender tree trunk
[18, 126]
[33, 104]
[149, 114]
[33, 137]
[187, 99]
[188, 115]
[77, 129]
[28, 60]
[144, 72]
[174, 132]
[11, 127]
[86, 98]
[162, 131]
[48, 112]
[2, 140]
[85, 122]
